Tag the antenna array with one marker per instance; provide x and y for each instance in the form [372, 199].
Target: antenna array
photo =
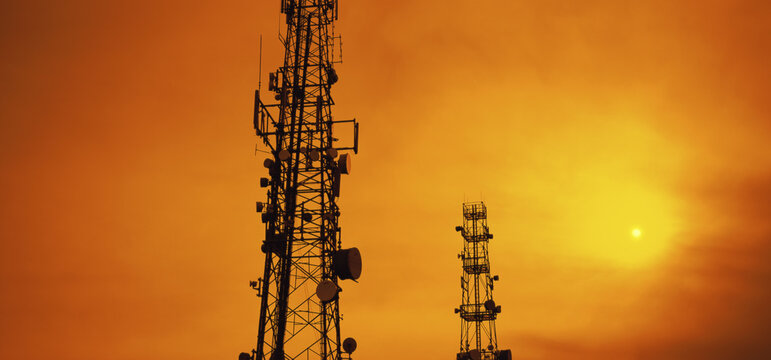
[304, 258]
[478, 310]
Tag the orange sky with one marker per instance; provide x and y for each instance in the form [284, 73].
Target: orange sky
[128, 175]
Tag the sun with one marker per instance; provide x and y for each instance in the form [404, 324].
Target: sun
[631, 228]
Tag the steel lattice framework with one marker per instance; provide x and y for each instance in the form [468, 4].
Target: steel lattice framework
[478, 311]
[302, 247]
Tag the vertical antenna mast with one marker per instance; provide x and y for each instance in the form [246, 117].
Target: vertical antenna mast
[478, 310]
[259, 71]
[304, 259]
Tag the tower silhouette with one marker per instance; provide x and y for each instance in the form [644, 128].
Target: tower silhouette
[304, 259]
[478, 310]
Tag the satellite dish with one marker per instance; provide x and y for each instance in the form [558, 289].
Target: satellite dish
[307, 217]
[349, 345]
[347, 263]
[244, 356]
[268, 163]
[490, 305]
[260, 206]
[326, 290]
[490, 347]
[344, 164]
[332, 75]
[332, 153]
[504, 355]
[284, 155]
[315, 155]
[475, 354]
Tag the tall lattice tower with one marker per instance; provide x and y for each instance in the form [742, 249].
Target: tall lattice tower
[478, 310]
[304, 258]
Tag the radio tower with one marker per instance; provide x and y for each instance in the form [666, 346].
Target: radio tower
[478, 339]
[304, 258]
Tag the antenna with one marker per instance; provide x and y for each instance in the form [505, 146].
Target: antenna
[306, 267]
[259, 81]
[478, 310]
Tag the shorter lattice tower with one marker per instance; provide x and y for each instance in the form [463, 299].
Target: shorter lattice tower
[478, 310]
